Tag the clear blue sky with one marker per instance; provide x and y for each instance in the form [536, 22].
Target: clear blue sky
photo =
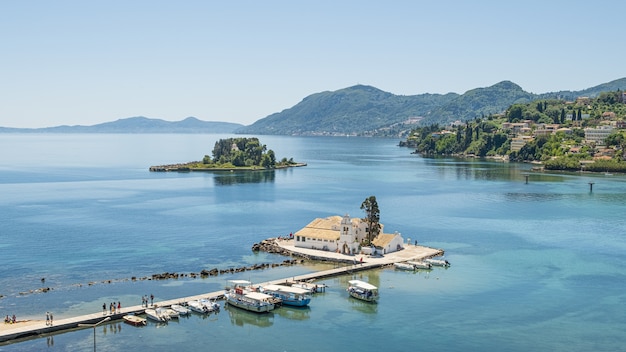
[86, 62]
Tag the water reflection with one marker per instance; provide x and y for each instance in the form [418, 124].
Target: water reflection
[231, 178]
[294, 313]
[241, 317]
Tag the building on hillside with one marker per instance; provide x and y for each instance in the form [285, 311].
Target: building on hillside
[518, 142]
[345, 235]
[597, 135]
[518, 127]
[565, 130]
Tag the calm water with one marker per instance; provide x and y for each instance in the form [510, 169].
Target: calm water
[537, 266]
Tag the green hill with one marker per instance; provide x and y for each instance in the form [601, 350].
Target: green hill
[366, 110]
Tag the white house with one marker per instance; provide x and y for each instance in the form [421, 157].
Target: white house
[345, 235]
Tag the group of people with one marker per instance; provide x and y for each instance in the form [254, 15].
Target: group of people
[10, 320]
[113, 308]
[145, 299]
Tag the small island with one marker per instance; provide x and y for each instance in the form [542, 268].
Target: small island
[245, 154]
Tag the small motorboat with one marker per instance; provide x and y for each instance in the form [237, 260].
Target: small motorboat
[158, 314]
[403, 266]
[203, 306]
[421, 265]
[172, 313]
[134, 320]
[180, 309]
[438, 262]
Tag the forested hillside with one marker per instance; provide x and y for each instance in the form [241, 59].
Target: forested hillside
[551, 131]
[367, 111]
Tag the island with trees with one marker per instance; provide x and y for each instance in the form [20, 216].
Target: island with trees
[247, 154]
[586, 134]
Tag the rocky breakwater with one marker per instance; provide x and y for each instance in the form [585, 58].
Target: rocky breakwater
[270, 246]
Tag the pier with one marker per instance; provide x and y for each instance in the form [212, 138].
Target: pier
[12, 333]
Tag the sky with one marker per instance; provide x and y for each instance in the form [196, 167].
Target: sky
[88, 62]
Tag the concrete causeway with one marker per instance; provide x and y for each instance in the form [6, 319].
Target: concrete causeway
[10, 333]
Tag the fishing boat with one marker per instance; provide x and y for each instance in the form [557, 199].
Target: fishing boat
[134, 320]
[403, 266]
[421, 265]
[363, 290]
[239, 296]
[438, 262]
[157, 314]
[289, 295]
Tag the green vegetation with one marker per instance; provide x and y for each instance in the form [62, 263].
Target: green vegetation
[372, 217]
[552, 132]
[367, 111]
[243, 152]
[234, 153]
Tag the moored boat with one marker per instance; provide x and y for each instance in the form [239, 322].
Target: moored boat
[421, 265]
[363, 290]
[171, 313]
[198, 307]
[157, 314]
[313, 288]
[180, 309]
[134, 320]
[289, 295]
[437, 262]
[403, 266]
[239, 296]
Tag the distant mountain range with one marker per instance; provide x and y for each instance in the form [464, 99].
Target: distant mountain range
[359, 110]
[365, 110]
[139, 124]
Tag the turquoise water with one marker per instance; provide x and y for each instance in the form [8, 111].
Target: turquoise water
[537, 266]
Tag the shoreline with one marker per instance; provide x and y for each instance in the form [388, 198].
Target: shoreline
[185, 168]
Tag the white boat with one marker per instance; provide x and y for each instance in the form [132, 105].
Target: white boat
[211, 305]
[421, 265]
[134, 320]
[198, 307]
[403, 266]
[239, 296]
[363, 290]
[180, 309]
[437, 262]
[171, 313]
[313, 288]
[289, 295]
[157, 314]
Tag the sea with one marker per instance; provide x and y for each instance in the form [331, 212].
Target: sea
[537, 258]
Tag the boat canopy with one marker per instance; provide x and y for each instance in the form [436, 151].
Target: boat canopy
[258, 296]
[362, 284]
[240, 282]
[287, 289]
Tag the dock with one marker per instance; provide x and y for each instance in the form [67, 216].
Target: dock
[12, 333]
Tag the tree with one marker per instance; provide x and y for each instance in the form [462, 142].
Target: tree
[372, 217]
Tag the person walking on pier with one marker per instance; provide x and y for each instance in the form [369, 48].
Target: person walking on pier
[50, 319]
[47, 318]
[104, 309]
[151, 299]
